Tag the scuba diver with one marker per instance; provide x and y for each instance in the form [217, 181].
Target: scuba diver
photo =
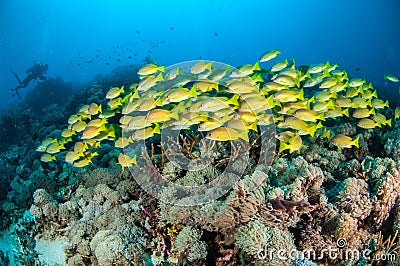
[37, 71]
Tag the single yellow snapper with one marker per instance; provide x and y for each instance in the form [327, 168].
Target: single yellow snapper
[73, 156]
[94, 109]
[82, 162]
[269, 55]
[200, 67]
[161, 115]
[363, 113]
[123, 142]
[114, 92]
[150, 69]
[47, 158]
[145, 133]
[125, 161]
[179, 94]
[218, 103]
[309, 115]
[242, 87]
[367, 123]
[138, 122]
[279, 66]
[92, 131]
[227, 134]
[293, 144]
[245, 70]
[149, 82]
[391, 77]
[205, 86]
[343, 141]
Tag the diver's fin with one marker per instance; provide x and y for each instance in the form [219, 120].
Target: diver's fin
[16, 76]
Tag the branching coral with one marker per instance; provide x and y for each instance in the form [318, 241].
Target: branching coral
[385, 198]
[44, 206]
[354, 198]
[188, 244]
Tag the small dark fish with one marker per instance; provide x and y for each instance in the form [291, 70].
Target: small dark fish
[119, 60]
[215, 34]
[172, 28]
[129, 57]
[138, 32]
[357, 69]
[107, 63]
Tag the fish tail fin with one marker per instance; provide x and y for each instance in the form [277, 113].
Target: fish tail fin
[297, 82]
[328, 65]
[311, 130]
[283, 146]
[174, 114]
[133, 160]
[209, 65]
[370, 86]
[372, 111]
[356, 141]
[369, 102]
[156, 129]
[136, 95]
[234, 100]
[111, 132]
[159, 77]
[385, 77]
[102, 128]
[386, 104]
[308, 105]
[252, 126]
[293, 63]
[215, 86]
[257, 66]
[158, 102]
[346, 112]
[326, 73]
[321, 116]
[161, 68]
[328, 134]
[243, 135]
[301, 95]
[257, 78]
[193, 92]
[270, 101]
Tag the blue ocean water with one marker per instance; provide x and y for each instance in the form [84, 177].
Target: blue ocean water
[79, 39]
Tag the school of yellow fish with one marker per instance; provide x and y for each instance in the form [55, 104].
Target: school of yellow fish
[227, 104]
